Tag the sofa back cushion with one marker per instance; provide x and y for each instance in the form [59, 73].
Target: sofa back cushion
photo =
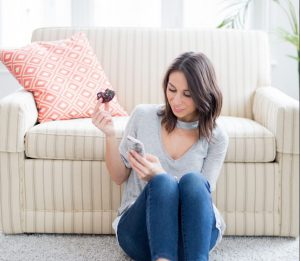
[135, 60]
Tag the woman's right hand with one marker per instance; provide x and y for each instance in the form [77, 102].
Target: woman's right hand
[146, 167]
[102, 119]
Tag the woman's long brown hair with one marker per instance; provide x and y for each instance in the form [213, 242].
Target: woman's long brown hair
[202, 83]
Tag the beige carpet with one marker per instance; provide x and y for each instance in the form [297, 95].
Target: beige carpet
[88, 247]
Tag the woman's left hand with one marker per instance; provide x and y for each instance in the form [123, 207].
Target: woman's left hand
[146, 167]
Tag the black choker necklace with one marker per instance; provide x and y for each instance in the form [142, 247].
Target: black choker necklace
[187, 125]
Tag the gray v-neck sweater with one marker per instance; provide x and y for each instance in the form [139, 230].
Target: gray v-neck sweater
[202, 157]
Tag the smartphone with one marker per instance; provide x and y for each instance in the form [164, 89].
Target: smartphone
[135, 144]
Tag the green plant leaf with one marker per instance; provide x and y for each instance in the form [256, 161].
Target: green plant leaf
[293, 17]
[290, 14]
[237, 16]
[294, 57]
[289, 37]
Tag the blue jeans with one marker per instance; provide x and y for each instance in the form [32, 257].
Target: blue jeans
[170, 220]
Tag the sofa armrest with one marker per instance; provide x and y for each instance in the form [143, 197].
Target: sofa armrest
[280, 114]
[18, 113]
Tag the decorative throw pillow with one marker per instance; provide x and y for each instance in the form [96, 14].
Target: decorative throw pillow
[64, 77]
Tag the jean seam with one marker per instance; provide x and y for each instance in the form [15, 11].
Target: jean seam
[148, 215]
[183, 234]
[212, 220]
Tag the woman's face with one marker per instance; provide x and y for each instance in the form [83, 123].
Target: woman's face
[179, 97]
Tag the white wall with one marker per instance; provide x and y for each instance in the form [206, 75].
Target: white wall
[8, 84]
[285, 69]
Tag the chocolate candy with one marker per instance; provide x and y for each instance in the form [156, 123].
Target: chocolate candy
[106, 96]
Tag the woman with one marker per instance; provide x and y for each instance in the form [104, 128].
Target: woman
[167, 211]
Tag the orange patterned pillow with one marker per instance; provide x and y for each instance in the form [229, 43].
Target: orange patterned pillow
[64, 77]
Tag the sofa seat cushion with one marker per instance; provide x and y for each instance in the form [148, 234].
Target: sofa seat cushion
[79, 139]
[248, 140]
[75, 139]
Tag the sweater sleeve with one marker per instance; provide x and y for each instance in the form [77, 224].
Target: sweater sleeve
[131, 129]
[216, 153]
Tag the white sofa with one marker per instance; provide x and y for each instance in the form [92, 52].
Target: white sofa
[53, 177]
